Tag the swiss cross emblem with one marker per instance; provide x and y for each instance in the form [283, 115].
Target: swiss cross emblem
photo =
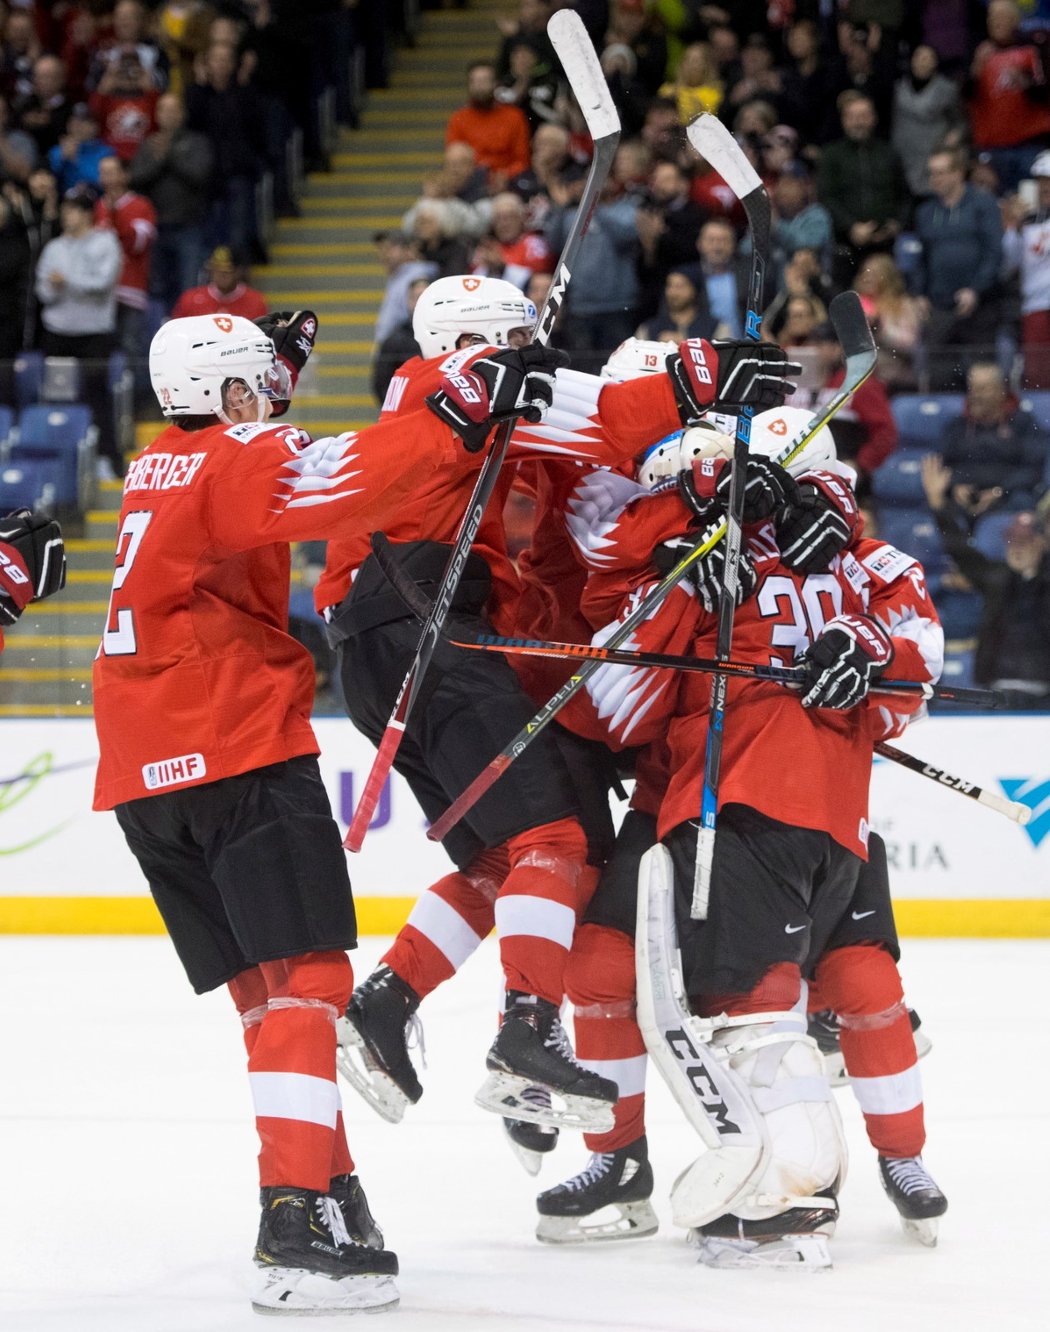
[778, 427]
[471, 283]
[224, 323]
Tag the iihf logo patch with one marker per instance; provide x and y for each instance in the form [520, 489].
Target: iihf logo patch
[1036, 795]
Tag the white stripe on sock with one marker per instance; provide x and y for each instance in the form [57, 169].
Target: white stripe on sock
[446, 929]
[295, 1096]
[628, 1074]
[538, 916]
[889, 1095]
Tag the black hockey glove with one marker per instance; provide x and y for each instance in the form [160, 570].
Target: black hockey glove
[726, 376]
[499, 386]
[841, 666]
[818, 526]
[293, 334]
[706, 574]
[768, 487]
[32, 562]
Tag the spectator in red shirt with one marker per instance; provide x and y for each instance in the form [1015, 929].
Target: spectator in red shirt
[125, 103]
[134, 219]
[499, 134]
[510, 250]
[1009, 96]
[226, 292]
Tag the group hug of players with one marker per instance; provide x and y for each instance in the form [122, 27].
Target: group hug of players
[202, 706]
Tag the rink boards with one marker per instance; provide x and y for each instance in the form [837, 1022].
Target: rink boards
[957, 869]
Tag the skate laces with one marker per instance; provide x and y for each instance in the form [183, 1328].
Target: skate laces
[600, 1164]
[557, 1040]
[538, 1096]
[909, 1174]
[332, 1215]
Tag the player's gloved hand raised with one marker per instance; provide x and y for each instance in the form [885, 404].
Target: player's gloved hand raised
[728, 376]
[841, 666]
[818, 526]
[32, 562]
[293, 334]
[767, 488]
[705, 574]
[498, 386]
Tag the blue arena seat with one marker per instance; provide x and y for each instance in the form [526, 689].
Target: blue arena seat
[960, 612]
[915, 531]
[1038, 403]
[921, 417]
[27, 484]
[64, 437]
[29, 376]
[7, 421]
[899, 480]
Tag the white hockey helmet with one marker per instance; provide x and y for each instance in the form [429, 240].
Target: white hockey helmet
[488, 307]
[662, 461]
[635, 357]
[772, 430]
[1041, 165]
[191, 359]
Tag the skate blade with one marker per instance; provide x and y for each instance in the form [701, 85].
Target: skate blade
[502, 1094]
[632, 1220]
[529, 1158]
[291, 1290]
[367, 1079]
[925, 1231]
[808, 1252]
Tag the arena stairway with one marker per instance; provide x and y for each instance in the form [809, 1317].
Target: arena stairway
[324, 260]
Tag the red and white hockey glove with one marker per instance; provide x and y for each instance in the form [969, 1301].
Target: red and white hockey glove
[841, 666]
[767, 488]
[498, 386]
[293, 334]
[32, 562]
[707, 574]
[819, 525]
[727, 376]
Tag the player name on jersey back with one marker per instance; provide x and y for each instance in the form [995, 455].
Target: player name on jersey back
[163, 471]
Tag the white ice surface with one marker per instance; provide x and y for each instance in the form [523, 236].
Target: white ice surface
[128, 1194]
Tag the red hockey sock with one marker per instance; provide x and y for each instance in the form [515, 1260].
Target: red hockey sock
[536, 907]
[447, 923]
[599, 980]
[342, 1161]
[291, 1068]
[863, 986]
[777, 992]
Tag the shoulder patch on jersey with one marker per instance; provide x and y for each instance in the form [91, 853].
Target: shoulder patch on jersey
[247, 430]
[887, 563]
[855, 575]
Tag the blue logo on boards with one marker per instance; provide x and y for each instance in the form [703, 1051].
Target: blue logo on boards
[1036, 795]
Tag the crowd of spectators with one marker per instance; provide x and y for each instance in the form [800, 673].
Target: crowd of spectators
[906, 151]
[133, 136]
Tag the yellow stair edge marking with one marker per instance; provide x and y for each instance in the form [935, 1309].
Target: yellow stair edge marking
[45, 710]
[329, 426]
[366, 202]
[372, 296]
[381, 223]
[322, 247]
[336, 400]
[74, 544]
[29, 642]
[102, 515]
[90, 575]
[956, 919]
[333, 270]
[436, 134]
[388, 177]
[345, 349]
[32, 674]
[336, 372]
[388, 160]
[109, 488]
[67, 608]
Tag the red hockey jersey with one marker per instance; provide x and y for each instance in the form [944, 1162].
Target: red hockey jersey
[134, 219]
[196, 677]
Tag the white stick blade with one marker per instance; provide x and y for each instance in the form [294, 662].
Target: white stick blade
[578, 59]
[716, 145]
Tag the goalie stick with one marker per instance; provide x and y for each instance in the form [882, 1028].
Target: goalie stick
[844, 312]
[585, 77]
[713, 141]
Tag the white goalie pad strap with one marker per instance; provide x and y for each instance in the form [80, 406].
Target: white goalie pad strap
[889, 1095]
[446, 929]
[792, 1091]
[295, 1096]
[628, 1074]
[539, 916]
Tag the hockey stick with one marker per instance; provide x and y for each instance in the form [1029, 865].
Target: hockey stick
[578, 58]
[713, 141]
[1011, 809]
[843, 308]
[790, 676]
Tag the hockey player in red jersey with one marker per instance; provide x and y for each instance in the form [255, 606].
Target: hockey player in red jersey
[202, 703]
[856, 960]
[32, 563]
[535, 824]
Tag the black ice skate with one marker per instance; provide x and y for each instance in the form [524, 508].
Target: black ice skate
[309, 1264]
[824, 1027]
[796, 1238]
[373, 1043]
[531, 1142]
[608, 1200]
[912, 1191]
[531, 1049]
[357, 1215]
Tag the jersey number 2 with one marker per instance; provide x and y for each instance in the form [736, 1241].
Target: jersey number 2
[118, 637]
